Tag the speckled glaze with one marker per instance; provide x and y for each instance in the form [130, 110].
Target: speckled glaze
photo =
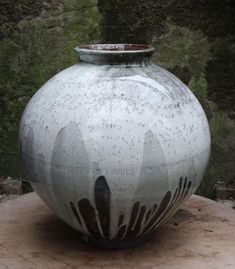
[114, 144]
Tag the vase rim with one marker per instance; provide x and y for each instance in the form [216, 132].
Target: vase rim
[114, 53]
[115, 48]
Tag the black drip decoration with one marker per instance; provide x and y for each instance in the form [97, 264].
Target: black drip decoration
[96, 220]
[102, 201]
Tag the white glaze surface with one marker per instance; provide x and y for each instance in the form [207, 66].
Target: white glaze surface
[137, 126]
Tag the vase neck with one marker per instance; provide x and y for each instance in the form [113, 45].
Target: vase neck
[115, 53]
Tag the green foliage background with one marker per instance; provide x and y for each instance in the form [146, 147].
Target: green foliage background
[193, 39]
[37, 41]
[196, 41]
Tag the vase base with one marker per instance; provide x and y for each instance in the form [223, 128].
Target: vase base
[105, 243]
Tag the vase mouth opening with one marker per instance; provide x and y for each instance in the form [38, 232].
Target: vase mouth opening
[115, 53]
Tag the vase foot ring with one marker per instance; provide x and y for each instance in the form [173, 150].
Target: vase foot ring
[105, 243]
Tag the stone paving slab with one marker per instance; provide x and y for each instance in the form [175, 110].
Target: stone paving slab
[201, 235]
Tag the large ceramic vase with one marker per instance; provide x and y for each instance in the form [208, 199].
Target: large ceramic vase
[114, 144]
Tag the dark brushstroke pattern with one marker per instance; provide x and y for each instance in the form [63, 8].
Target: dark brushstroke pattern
[148, 215]
[163, 205]
[134, 214]
[102, 201]
[137, 227]
[180, 194]
[121, 219]
[185, 193]
[121, 232]
[89, 217]
[140, 215]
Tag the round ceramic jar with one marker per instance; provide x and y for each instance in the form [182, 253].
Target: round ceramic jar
[114, 144]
